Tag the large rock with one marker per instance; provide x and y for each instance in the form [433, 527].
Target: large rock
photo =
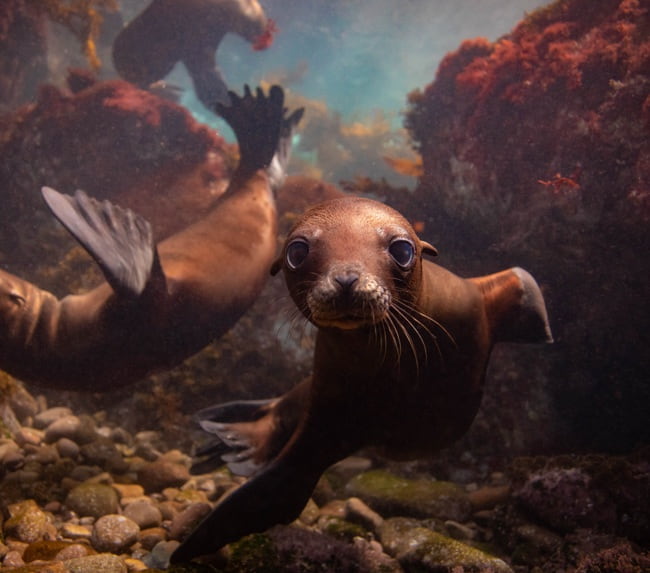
[420, 549]
[392, 495]
[27, 522]
[92, 499]
[535, 151]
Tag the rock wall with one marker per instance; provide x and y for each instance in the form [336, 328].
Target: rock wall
[536, 152]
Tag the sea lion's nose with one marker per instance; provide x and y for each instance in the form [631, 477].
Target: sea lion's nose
[346, 280]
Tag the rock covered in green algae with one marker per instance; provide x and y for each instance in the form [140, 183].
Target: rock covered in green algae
[93, 499]
[341, 529]
[392, 495]
[421, 549]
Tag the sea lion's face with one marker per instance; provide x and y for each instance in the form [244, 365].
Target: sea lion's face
[13, 300]
[250, 21]
[350, 262]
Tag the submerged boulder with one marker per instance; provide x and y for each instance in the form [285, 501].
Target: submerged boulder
[420, 549]
[393, 495]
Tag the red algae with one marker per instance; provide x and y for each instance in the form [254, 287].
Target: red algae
[265, 40]
[544, 100]
[112, 140]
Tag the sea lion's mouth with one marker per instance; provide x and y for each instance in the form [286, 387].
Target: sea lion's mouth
[342, 323]
[345, 321]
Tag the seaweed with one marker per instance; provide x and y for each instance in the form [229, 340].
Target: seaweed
[83, 18]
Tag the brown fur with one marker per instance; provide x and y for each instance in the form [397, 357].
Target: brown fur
[406, 379]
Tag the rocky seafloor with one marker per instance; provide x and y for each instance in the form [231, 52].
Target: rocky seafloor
[80, 494]
[540, 159]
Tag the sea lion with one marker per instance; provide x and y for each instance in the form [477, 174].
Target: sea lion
[159, 305]
[188, 31]
[401, 353]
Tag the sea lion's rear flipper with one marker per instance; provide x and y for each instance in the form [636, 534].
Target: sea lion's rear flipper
[120, 241]
[234, 434]
[249, 434]
[263, 132]
[515, 307]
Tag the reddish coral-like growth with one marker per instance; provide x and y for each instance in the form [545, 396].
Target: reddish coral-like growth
[264, 40]
[110, 139]
[536, 148]
[564, 89]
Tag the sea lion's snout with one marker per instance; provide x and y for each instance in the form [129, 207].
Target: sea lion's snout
[346, 281]
[348, 298]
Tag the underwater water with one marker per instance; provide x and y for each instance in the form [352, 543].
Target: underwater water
[359, 59]
[509, 134]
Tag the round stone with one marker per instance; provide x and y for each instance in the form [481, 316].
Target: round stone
[114, 533]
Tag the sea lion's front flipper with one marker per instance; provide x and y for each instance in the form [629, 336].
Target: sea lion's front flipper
[277, 170]
[120, 241]
[263, 132]
[276, 495]
[515, 307]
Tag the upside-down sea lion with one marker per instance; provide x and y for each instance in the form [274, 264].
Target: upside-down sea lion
[188, 31]
[400, 358]
[161, 304]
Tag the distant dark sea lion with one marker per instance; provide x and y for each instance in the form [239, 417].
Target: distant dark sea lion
[400, 359]
[188, 31]
[160, 304]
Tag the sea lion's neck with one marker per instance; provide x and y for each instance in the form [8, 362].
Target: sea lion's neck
[348, 347]
[364, 352]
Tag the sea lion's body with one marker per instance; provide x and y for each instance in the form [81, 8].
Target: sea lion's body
[187, 31]
[400, 358]
[161, 305]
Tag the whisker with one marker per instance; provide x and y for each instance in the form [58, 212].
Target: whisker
[405, 316]
[412, 310]
[379, 334]
[294, 326]
[399, 320]
[415, 322]
[394, 334]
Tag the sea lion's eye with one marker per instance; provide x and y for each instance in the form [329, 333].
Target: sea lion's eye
[403, 253]
[296, 254]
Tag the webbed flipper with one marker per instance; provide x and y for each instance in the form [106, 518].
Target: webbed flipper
[515, 307]
[277, 169]
[263, 132]
[230, 426]
[249, 434]
[120, 241]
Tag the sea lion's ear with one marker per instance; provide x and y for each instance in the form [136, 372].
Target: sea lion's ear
[428, 249]
[276, 266]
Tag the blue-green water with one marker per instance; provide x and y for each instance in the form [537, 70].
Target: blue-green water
[357, 60]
